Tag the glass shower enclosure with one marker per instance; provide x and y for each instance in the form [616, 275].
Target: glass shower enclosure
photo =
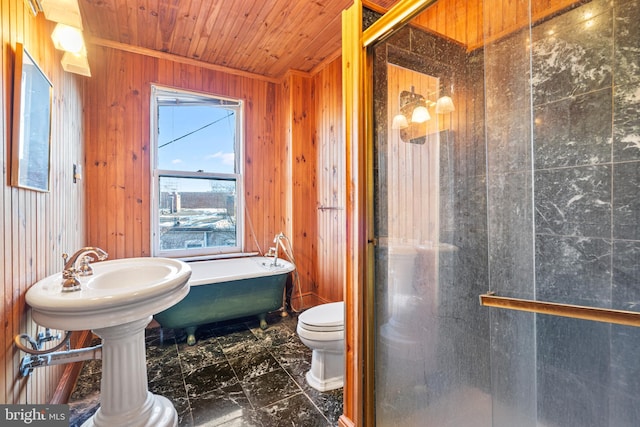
[522, 181]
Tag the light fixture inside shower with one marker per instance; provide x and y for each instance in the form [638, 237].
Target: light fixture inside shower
[444, 105]
[414, 112]
[413, 109]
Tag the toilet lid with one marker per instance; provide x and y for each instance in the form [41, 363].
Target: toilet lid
[324, 317]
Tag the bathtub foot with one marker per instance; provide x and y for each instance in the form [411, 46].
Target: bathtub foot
[191, 335]
[263, 321]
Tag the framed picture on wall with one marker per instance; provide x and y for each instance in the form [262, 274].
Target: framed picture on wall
[31, 138]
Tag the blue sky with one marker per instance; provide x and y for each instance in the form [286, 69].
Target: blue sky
[196, 138]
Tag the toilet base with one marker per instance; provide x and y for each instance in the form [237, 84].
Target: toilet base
[324, 385]
[327, 370]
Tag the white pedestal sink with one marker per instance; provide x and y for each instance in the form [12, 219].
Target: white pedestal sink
[116, 303]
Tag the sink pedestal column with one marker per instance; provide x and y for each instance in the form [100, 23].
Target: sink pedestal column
[125, 399]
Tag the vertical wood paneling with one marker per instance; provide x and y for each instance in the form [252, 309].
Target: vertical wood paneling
[458, 26]
[36, 227]
[280, 158]
[118, 162]
[356, 326]
[330, 180]
[285, 124]
[304, 198]
[463, 20]
[5, 202]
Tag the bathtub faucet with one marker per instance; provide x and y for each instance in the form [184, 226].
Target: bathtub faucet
[71, 271]
[278, 241]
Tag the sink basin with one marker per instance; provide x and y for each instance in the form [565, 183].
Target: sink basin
[117, 303]
[118, 292]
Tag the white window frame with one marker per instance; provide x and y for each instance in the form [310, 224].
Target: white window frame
[195, 253]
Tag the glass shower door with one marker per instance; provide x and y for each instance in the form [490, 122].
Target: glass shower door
[528, 188]
[432, 338]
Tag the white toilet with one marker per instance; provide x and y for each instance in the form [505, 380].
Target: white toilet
[321, 328]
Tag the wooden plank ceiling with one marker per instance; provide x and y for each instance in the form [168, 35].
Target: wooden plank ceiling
[264, 37]
[260, 37]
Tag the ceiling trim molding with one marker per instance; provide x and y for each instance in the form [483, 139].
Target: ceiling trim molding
[180, 59]
[310, 74]
[328, 60]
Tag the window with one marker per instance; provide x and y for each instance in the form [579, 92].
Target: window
[197, 174]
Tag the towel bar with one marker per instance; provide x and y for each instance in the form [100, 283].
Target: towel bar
[620, 317]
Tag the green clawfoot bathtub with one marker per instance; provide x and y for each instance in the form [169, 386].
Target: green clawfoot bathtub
[225, 289]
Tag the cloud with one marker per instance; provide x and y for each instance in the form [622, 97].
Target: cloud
[176, 161]
[227, 158]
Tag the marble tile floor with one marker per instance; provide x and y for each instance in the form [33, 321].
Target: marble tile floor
[235, 375]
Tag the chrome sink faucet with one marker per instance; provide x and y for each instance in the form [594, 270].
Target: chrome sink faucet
[71, 271]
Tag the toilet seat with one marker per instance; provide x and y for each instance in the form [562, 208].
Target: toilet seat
[323, 318]
[322, 338]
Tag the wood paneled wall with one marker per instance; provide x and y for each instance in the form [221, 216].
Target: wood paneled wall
[506, 16]
[312, 111]
[331, 182]
[290, 128]
[36, 227]
[460, 20]
[463, 21]
[118, 138]
[299, 116]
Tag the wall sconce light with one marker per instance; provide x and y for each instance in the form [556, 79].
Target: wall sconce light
[420, 114]
[412, 105]
[67, 35]
[400, 122]
[68, 38]
[414, 110]
[76, 63]
[444, 105]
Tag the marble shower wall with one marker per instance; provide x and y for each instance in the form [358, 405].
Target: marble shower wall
[510, 228]
[563, 139]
